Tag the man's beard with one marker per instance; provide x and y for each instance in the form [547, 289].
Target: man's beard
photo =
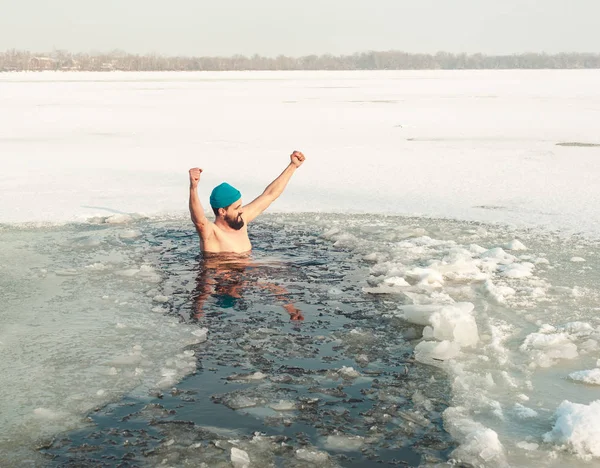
[237, 223]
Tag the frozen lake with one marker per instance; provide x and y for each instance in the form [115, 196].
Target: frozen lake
[476, 145]
[468, 200]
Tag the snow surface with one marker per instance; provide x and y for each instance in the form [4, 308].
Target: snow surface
[461, 144]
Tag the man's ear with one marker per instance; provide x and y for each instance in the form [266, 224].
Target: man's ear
[222, 212]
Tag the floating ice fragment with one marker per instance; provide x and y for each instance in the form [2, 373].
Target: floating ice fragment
[67, 272]
[201, 335]
[329, 234]
[577, 259]
[130, 234]
[252, 376]
[517, 270]
[476, 249]
[523, 412]
[283, 405]
[528, 445]
[433, 352]
[450, 322]
[546, 348]
[161, 299]
[426, 276]
[362, 360]
[312, 456]
[348, 373]
[239, 458]
[118, 219]
[240, 401]
[498, 293]
[344, 443]
[515, 245]
[498, 255]
[128, 272]
[577, 428]
[477, 443]
[591, 377]
[396, 281]
[126, 360]
[45, 413]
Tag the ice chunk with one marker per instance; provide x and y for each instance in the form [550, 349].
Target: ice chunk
[498, 293]
[498, 255]
[419, 314]
[241, 401]
[527, 445]
[578, 328]
[577, 428]
[161, 299]
[67, 272]
[450, 322]
[479, 445]
[130, 234]
[312, 456]
[396, 281]
[426, 276]
[517, 270]
[98, 266]
[283, 405]
[455, 323]
[430, 352]
[591, 377]
[344, 443]
[523, 412]
[45, 413]
[239, 458]
[362, 360]
[577, 259]
[128, 272]
[252, 376]
[132, 359]
[201, 335]
[348, 373]
[515, 245]
[546, 348]
[476, 249]
[118, 219]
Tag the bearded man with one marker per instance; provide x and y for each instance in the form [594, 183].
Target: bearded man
[229, 232]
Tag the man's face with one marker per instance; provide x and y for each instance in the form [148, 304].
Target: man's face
[233, 216]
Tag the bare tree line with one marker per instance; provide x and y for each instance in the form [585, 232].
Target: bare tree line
[19, 60]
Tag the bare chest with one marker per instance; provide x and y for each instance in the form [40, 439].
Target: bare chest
[237, 242]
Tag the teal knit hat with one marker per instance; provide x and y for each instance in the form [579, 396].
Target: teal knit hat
[224, 195]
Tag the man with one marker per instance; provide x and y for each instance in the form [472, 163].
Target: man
[229, 232]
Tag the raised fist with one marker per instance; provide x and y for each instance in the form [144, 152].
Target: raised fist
[297, 158]
[195, 176]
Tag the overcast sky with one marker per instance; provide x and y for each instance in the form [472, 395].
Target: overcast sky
[271, 27]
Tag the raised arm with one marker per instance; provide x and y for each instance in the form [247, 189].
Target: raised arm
[203, 225]
[274, 189]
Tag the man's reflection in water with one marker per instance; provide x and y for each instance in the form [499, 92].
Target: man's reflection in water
[227, 277]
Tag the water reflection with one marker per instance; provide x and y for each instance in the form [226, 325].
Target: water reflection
[229, 278]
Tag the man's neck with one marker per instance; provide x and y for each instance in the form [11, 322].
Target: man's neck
[224, 226]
